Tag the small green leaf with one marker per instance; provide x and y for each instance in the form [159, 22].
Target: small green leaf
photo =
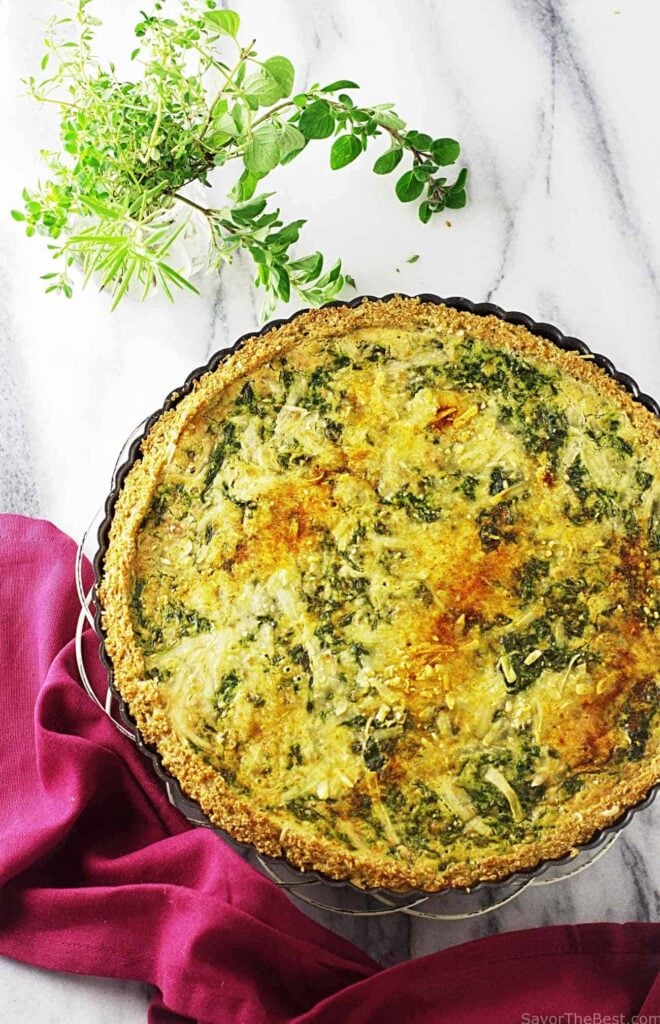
[17, 215]
[350, 280]
[291, 142]
[245, 186]
[342, 83]
[263, 151]
[422, 171]
[283, 283]
[225, 125]
[408, 187]
[220, 107]
[425, 212]
[177, 278]
[281, 69]
[460, 181]
[317, 120]
[413, 259]
[307, 267]
[331, 277]
[344, 150]
[261, 89]
[217, 140]
[248, 210]
[419, 140]
[239, 113]
[445, 151]
[272, 82]
[225, 22]
[96, 206]
[388, 161]
[388, 118]
[456, 200]
[287, 236]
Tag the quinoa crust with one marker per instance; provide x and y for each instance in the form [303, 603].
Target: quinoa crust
[224, 807]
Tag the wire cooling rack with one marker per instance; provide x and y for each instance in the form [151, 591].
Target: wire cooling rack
[311, 888]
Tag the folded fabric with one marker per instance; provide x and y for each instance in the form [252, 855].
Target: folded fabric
[100, 875]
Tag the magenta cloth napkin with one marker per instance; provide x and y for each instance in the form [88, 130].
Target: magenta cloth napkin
[100, 875]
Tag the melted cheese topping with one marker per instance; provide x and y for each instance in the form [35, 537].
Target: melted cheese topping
[402, 589]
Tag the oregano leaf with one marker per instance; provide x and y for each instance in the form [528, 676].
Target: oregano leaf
[262, 153]
[292, 141]
[408, 187]
[225, 123]
[422, 171]
[282, 70]
[388, 119]
[342, 83]
[344, 150]
[317, 120]
[225, 22]
[456, 200]
[217, 141]
[262, 89]
[445, 151]
[387, 162]
[245, 186]
[239, 114]
[246, 211]
[419, 140]
[460, 180]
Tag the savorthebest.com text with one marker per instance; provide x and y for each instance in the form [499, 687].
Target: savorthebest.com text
[588, 1018]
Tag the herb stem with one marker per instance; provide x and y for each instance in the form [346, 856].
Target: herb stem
[270, 113]
[227, 80]
[196, 206]
[58, 103]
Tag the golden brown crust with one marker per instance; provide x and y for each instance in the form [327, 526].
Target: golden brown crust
[223, 806]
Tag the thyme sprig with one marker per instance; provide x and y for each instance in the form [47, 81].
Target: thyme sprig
[113, 201]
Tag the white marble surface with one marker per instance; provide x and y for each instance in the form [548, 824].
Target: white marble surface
[555, 104]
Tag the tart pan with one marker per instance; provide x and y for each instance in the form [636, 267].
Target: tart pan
[189, 808]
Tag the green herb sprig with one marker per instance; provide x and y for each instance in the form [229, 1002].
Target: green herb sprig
[112, 203]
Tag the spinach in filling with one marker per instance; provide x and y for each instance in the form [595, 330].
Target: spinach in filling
[543, 608]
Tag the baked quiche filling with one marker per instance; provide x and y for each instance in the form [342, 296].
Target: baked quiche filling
[392, 597]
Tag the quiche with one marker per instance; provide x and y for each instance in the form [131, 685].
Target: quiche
[382, 592]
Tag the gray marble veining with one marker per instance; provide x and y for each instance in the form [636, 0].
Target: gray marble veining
[554, 103]
[18, 488]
